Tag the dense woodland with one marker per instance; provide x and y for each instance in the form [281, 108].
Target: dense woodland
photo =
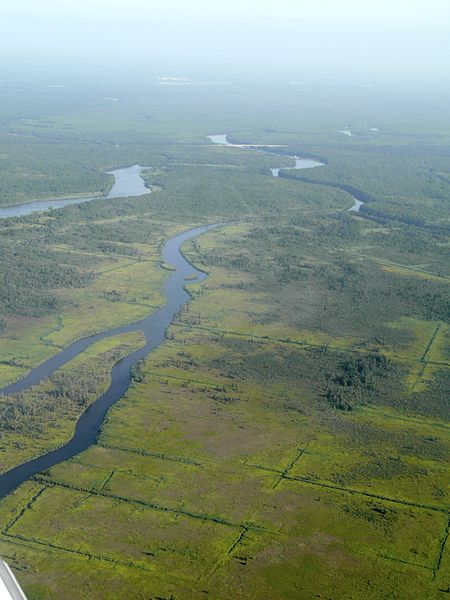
[29, 274]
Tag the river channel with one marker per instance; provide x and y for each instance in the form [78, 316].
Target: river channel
[154, 328]
[299, 164]
[128, 182]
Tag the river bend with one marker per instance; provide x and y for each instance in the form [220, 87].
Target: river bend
[154, 328]
[299, 164]
[128, 182]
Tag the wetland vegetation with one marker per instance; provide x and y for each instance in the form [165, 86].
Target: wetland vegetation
[290, 438]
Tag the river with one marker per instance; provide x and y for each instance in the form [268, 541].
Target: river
[300, 163]
[154, 328]
[127, 182]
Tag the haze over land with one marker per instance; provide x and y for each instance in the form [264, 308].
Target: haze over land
[327, 39]
[225, 299]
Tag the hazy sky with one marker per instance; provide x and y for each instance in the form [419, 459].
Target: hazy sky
[330, 36]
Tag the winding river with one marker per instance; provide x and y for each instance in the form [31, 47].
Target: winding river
[154, 328]
[300, 163]
[128, 182]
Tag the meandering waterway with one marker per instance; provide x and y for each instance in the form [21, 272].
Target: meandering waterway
[154, 328]
[300, 163]
[128, 182]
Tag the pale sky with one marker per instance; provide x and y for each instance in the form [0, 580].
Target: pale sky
[395, 36]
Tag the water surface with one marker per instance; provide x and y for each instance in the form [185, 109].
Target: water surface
[128, 182]
[356, 207]
[300, 163]
[154, 328]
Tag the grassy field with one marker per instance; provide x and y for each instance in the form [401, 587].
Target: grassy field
[225, 473]
[290, 439]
